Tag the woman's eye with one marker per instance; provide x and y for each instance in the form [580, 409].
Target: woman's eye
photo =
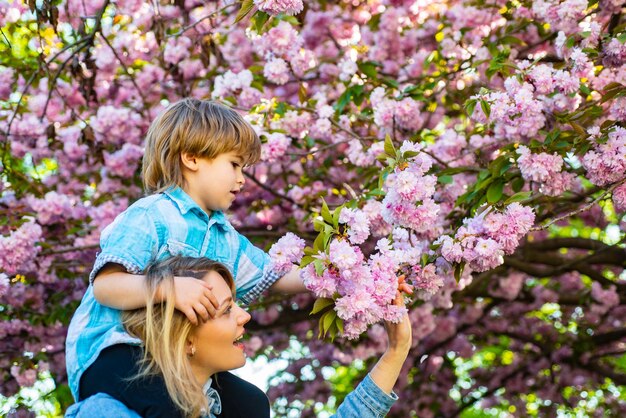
[236, 165]
[228, 310]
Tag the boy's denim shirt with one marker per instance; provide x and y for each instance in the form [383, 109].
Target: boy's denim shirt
[155, 227]
[366, 401]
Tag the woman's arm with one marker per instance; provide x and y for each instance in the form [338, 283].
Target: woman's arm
[374, 396]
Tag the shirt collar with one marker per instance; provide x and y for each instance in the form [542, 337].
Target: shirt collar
[215, 403]
[186, 204]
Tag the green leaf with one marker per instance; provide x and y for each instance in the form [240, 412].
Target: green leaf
[246, 6]
[579, 129]
[326, 322]
[259, 20]
[369, 68]
[336, 214]
[319, 267]
[390, 150]
[326, 215]
[494, 192]
[318, 224]
[611, 91]
[352, 94]
[410, 154]
[306, 260]
[517, 184]
[321, 304]
[518, 197]
[339, 323]
[470, 105]
[486, 107]
[458, 270]
[302, 93]
[318, 244]
[512, 40]
[445, 179]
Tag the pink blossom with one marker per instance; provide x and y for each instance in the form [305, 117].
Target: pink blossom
[378, 226]
[606, 163]
[124, 162]
[358, 303]
[538, 167]
[426, 280]
[230, 82]
[4, 284]
[295, 124]
[116, 126]
[6, 82]
[26, 378]
[54, 208]
[19, 248]
[357, 224]
[275, 147]
[276, 7]
[509, 286]
[302, 61]
[619, 198]
[343, 255]
[280, 41]
[287, 251]
[276, 71]
[177, 49]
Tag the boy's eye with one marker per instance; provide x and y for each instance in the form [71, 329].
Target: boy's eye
[236, 165]
[228, 310]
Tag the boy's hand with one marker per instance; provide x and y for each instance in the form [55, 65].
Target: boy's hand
[194, 298]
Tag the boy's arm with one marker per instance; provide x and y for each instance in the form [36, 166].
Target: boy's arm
[290, 283]
[114, 287]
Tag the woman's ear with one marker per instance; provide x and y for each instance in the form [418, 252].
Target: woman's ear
[190, 348]
[189, 161]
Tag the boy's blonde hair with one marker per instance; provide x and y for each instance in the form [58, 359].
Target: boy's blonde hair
[165, 330]
[201, 128]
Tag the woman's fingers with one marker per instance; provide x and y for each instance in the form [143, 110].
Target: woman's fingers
[403, 286]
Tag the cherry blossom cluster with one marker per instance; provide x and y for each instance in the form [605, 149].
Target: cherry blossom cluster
[18, 249]
[483, 240]
[544, 169]
[275, 7]
[286, 252]
[606, 162]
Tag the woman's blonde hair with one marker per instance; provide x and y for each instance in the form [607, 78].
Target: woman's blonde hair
[202, 128]
[165, 330]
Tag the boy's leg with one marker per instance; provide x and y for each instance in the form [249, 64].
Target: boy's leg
[110, 374]
[240, 399]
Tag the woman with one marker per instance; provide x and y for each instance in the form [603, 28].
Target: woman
[188, 358]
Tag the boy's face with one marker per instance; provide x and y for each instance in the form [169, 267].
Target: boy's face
[215, 183]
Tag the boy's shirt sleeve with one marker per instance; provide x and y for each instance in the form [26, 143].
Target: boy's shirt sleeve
[253, 271]
[132, 240]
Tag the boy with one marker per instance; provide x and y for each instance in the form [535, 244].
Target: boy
[192, 170]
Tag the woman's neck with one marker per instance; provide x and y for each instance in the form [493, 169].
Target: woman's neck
[201, 374]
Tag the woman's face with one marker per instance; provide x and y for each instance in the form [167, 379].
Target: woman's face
[215, 341]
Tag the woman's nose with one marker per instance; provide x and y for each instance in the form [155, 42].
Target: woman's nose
[244, 316]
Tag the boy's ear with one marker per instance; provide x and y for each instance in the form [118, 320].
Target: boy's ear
[189, 161]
